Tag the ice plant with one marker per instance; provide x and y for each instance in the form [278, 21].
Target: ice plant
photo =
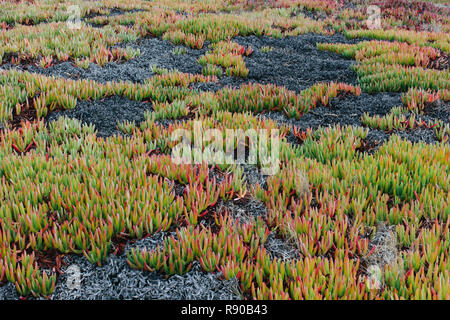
[64, 189]
[260, 98]
[393, 66]
[228, 55]
[416, 99]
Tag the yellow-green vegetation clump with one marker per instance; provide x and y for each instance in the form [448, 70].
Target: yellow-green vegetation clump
[65, 190]
[393, 66]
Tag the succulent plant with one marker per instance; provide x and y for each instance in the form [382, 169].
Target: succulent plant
[66, 190]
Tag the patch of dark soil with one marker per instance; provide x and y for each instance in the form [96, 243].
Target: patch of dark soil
[27, 115]
[311, 14]
[439, 110]
[13, 60]
[105, 114]
[112, 13]
[97, 25]
[295, 62]
[119, 243]
[417, 134]
[374, 139]
[441, 63]
[346, 110]
[5, 26]
[50, 260]
[178, 188]
[153, 51]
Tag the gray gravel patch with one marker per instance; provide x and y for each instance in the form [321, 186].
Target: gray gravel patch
[8, 292]
[105, 114]
[294, 62]
[154, 51]
[116, 280]
[345, 110]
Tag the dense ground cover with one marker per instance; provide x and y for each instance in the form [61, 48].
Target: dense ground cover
[358, 208]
